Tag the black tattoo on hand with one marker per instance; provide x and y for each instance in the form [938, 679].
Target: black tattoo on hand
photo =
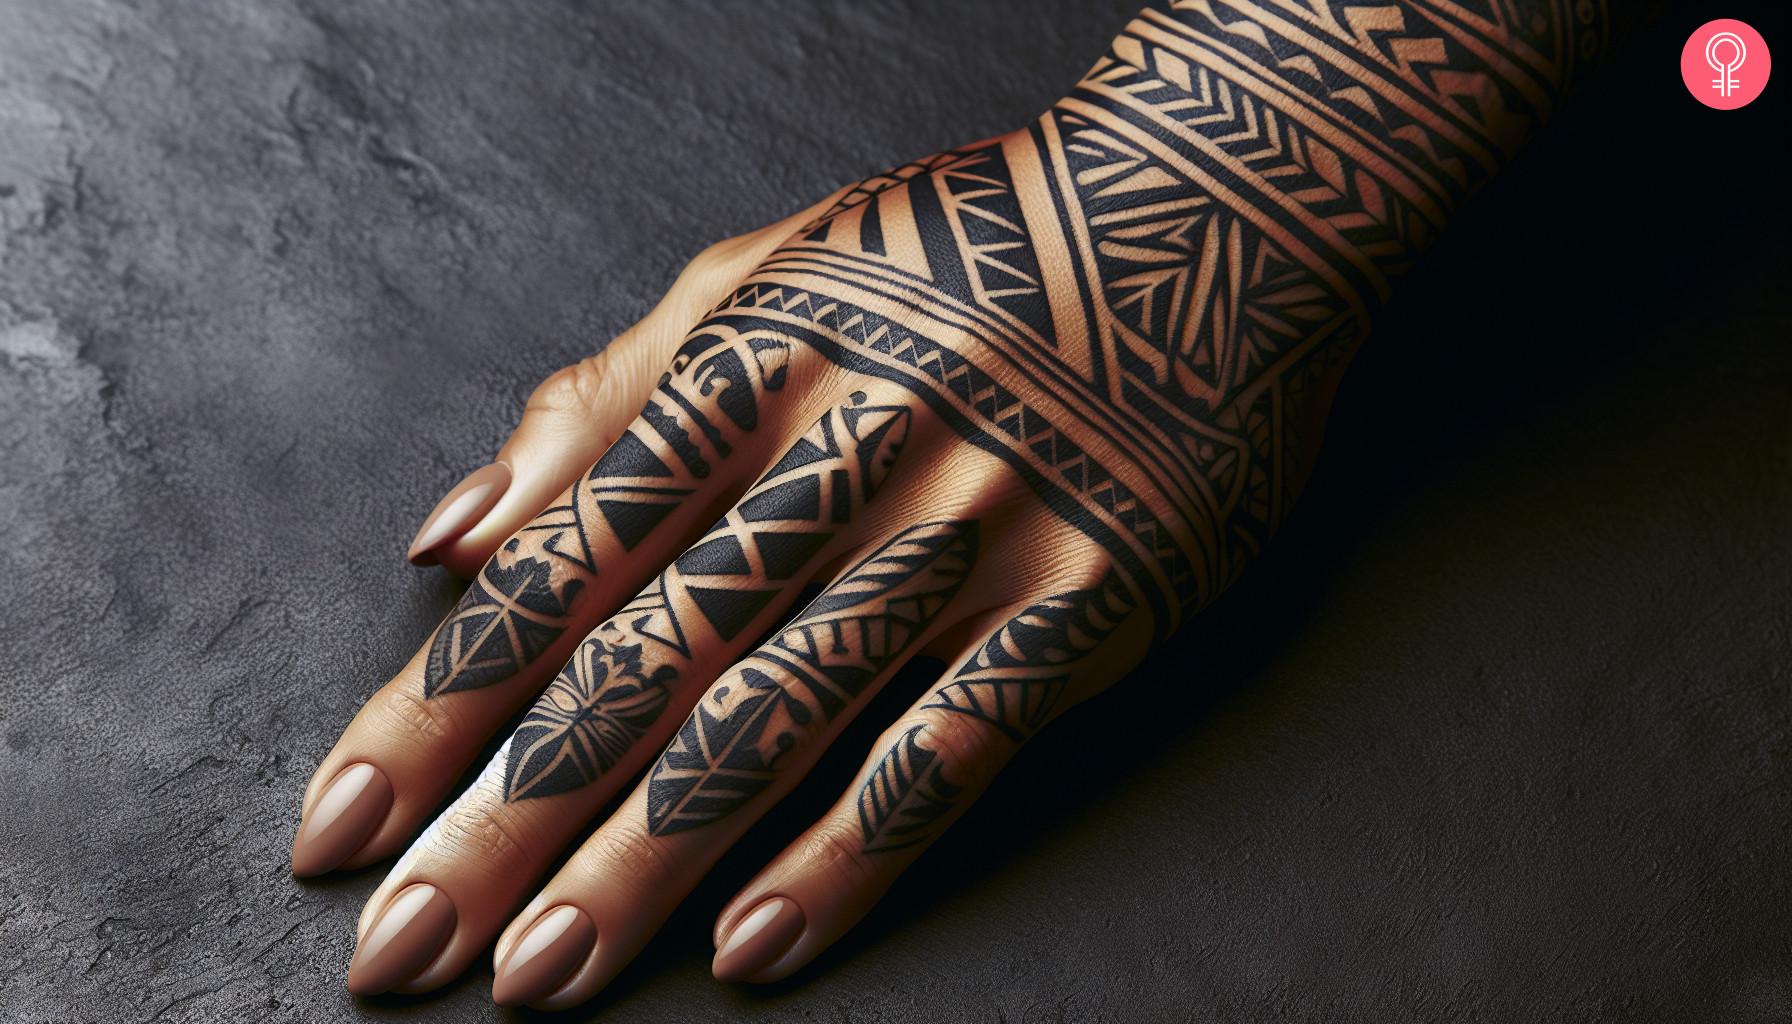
[620, 680]
[730, 748]
[1014, 681]
[905, 797]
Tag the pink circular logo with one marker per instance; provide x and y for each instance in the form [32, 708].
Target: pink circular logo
[1725, 64]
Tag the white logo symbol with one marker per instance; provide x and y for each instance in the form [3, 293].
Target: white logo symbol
[1725, 83]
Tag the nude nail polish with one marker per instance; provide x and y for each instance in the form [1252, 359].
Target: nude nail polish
[759, 939]
[407, 936]
[547, 954]
[353, 805]
[460, 510]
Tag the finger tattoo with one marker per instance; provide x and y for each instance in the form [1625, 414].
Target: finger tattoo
[1014, 681]
[1011, 684]
[621, 678]
[524, 599]
[731, 746]
[905, 796]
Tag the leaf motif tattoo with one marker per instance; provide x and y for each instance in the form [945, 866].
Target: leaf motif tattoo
[1015, 680]
[905, 796]
[509, 615]
[1012, 684]
[620, 680]
[589, 718]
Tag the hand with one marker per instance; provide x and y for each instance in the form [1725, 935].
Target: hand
[1024, 405]
[823, 464]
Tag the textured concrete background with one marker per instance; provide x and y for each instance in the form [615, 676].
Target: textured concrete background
[1499, 730]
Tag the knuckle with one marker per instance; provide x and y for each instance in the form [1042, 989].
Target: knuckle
[483, 832]
[408, 718]
[580, 387]
[967, 745]
[631, 856]
[832, 851]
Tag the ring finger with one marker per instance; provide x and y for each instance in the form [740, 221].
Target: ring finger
[751, 738]
[632, 681]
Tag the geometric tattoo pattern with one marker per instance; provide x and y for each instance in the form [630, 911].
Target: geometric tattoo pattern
[523, 600]
[905, 796]
[595, 711]
[1014, 681]
[1012, 684]
[785, 693]
[621, 679]
[1143, 301]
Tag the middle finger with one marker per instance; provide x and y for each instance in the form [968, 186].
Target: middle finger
[631, 682]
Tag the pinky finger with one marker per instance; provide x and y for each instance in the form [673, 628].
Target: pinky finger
[925, 771]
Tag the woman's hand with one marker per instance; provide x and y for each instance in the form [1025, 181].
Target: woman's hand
[1024, 405]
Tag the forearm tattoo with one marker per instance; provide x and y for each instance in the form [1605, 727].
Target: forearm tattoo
[1141, 303]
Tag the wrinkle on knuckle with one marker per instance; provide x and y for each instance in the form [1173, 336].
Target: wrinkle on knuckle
[581, 387]
[834, 852]
[630, 856]
[407, 717]
[966, 745]
[483, 833]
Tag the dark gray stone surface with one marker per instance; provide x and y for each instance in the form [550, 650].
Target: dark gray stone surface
[1499, 730]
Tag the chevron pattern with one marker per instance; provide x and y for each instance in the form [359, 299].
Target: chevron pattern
[1014, 681]
[905, 797]
[988, 403]
[728, 751]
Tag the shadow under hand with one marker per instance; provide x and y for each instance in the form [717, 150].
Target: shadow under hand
[1548, 286]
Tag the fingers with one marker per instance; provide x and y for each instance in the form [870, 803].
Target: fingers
[560, 575]
[578, 412]
[926, 770]
[635, 677]
[751, 737]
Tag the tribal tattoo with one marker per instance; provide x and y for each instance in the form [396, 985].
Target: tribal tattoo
[622, 677]
[906, 795]
[1011, 685]
[525, 598]
[1013, 682]
[1144, 301]
[785, 693]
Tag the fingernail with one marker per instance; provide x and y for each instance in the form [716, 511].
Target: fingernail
[347, 813]
[407, 936]
[459, 511]
[760, 939]
[547, 954]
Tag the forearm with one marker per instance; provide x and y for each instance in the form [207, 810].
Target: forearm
[1144, 301]
[1241, 182]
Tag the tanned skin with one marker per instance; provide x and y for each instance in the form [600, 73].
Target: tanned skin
[1029, 405]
